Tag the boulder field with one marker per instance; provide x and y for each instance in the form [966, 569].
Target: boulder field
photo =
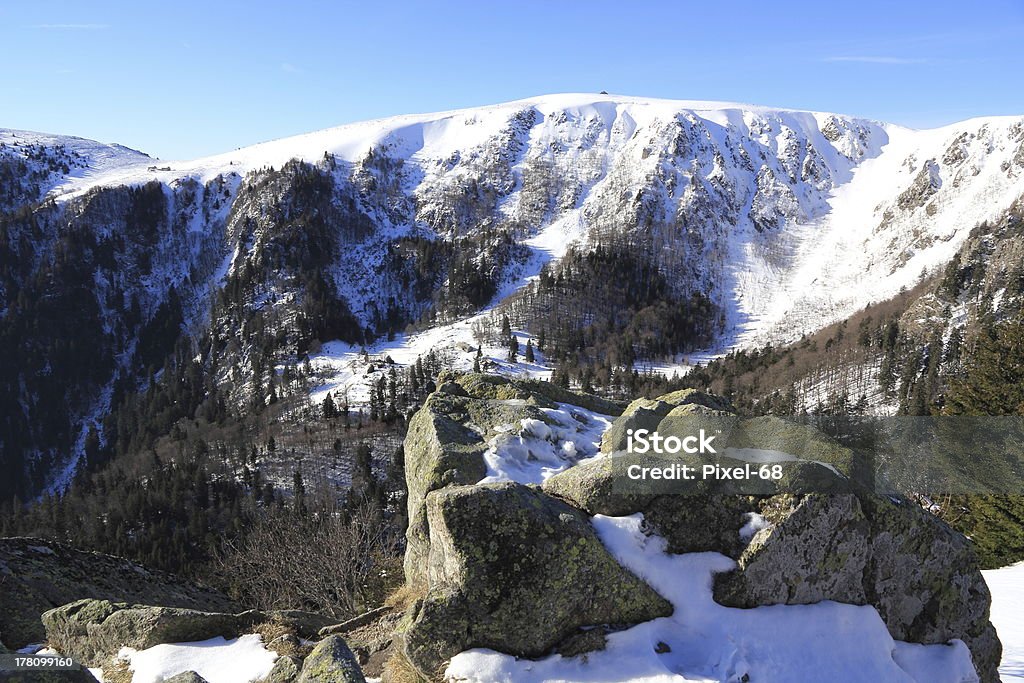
[517, 567]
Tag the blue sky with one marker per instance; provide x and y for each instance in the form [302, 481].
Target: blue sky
[185, 79]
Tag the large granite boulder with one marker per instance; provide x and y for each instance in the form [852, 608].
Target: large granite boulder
[447, 438]
[93, 631]
[38, 575]
[919, 574]
[517, 571]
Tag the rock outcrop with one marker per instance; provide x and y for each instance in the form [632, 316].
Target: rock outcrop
[863, 549]
[93, 631]
[38, 575]
[447, 438]
[331, 662]
[498, 552]
[518, 568]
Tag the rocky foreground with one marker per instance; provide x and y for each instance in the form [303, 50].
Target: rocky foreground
[518, 569]
[499, 570]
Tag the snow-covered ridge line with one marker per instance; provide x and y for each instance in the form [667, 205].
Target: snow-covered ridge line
[419, 134]
[787, 219]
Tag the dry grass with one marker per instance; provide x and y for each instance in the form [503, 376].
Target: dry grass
[117, 671]
[398, 669]
[280, 637]
[403, 596]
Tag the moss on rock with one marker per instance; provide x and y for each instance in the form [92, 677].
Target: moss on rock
[518, 571]
[37, 575]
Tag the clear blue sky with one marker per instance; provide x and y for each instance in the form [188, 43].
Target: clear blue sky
[183, 79]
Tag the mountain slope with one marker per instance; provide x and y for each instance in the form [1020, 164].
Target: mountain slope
[777, 222]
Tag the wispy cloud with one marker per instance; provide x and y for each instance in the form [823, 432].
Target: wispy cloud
[72, 27]
[290, 68]
[868, 59]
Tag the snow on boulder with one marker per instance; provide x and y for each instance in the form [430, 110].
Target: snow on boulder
[513, 569]
[704, 641]
[811, 577]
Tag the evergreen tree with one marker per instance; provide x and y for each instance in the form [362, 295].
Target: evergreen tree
[993, 383]
[330, 410]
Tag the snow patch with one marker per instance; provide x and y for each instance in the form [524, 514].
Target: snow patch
[217, 660]
[1007, 587]
[704, 641]
[754, 523]
[538, 450]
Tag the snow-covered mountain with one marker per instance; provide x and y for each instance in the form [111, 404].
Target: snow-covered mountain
[782, 220]
[791, 218]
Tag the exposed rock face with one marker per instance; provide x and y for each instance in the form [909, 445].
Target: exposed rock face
[518, 571]
[286, 669]
[920, 575]
[38, 575]
[447, 438]
[331, 662]
[517, 568]
[92, 631]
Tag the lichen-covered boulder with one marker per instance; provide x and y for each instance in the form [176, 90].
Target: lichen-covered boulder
[92, 631]
[285, 670]
[440, 450]
[513, 569]
[645, 413]
[818, 551]
[331, 662]
[919, 574]
[37, 575]
[447, 438]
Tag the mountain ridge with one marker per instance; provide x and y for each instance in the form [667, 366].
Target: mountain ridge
[764, 223]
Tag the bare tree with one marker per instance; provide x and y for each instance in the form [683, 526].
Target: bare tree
[332, 561]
